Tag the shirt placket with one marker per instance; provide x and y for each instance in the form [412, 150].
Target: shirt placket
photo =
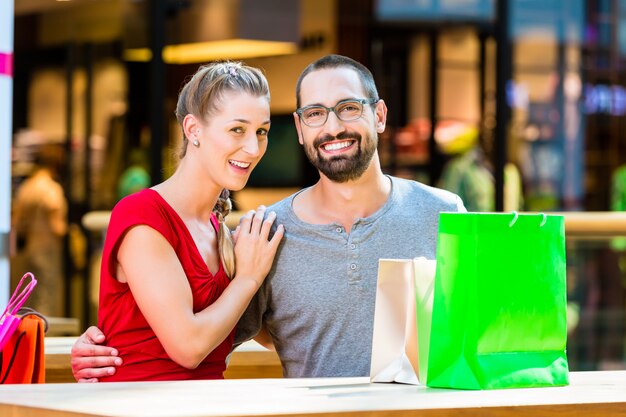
[353, 261]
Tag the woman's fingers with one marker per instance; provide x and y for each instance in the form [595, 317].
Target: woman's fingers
[278, 235]
[267, 224]
[257, 223]
[251, 222]
[246, 222]
[257, 220]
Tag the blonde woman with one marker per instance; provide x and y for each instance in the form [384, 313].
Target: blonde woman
[173, 284]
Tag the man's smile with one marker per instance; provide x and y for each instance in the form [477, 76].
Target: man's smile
[337, 146]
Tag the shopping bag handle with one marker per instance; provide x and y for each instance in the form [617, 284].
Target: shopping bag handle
[516, 215]
[20, 296]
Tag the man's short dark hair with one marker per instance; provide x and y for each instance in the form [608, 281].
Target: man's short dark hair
[340, 61]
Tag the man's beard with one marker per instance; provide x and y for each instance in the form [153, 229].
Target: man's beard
[342, 168]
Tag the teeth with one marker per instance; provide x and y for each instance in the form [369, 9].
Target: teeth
[239, 164]
[338, 145]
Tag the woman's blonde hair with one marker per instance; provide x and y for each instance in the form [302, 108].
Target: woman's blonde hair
[201, 96]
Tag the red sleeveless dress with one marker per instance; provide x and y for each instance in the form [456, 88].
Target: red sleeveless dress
[119, 317]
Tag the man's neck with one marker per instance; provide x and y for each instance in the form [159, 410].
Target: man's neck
[331, 202]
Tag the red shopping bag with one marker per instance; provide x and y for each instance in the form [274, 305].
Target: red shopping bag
[22, 333]
[22, 361]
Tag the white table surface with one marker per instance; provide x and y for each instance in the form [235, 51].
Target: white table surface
[590, 393]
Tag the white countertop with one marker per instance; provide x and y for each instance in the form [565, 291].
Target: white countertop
[599, 393]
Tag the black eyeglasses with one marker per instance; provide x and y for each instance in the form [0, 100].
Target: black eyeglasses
[345, 110]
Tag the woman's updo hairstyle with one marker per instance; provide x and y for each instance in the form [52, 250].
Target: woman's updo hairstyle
[201, 96]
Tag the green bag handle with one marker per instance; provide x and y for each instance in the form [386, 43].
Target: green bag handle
[516, 215]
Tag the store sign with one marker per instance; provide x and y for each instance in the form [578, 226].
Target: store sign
[562, 20]
[605, 99]
[412, 10]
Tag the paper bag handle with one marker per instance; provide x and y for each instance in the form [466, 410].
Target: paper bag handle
[20, 296]
[516, 215]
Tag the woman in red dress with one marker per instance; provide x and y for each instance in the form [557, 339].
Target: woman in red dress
[173, 284]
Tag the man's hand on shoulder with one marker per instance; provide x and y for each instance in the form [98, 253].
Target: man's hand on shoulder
[91, 360]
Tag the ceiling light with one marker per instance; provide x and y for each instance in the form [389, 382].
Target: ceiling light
[209, 30]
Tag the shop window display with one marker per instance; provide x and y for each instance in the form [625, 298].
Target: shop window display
[39, 224]
[46, 128]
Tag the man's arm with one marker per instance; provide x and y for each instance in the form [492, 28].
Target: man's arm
[265, 339]
[250, 325]
[91, 360]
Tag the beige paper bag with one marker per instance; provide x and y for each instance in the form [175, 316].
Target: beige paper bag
[395, 345]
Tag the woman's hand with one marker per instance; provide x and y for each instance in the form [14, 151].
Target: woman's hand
[254, 251]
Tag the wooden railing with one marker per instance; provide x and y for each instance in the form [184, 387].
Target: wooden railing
[577, 224]
[594, 224]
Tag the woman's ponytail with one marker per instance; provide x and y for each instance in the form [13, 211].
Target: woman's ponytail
[225, 244]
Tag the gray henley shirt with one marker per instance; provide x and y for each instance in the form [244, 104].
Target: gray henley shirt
[318, 300]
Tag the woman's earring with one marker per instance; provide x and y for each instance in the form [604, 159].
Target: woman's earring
[195, 142]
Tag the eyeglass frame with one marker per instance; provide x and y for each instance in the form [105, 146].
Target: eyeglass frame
[361, 101]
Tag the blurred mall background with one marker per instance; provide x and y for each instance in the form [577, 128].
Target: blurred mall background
[515, 105]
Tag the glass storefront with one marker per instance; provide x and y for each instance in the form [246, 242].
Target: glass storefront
[86, 98]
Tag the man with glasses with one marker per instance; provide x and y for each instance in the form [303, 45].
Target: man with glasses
[317, 304]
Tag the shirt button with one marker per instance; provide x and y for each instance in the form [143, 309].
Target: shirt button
[353, 267]
[353, 246]
[339, 230]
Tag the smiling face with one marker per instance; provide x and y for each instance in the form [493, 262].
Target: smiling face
[232, 139]
[340, 150]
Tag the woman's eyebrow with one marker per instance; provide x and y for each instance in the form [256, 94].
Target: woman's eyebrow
[268, 121]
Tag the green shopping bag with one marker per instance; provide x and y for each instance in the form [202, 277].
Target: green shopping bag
[499, 305]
